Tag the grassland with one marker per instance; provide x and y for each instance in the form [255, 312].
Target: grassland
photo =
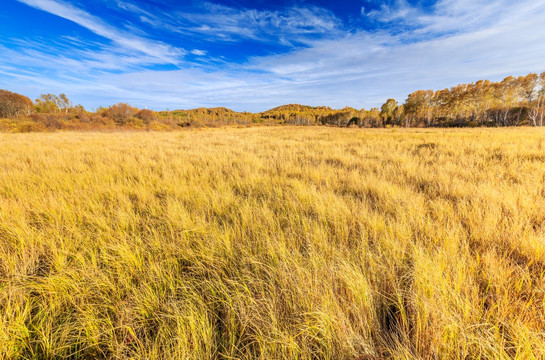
[273, 243]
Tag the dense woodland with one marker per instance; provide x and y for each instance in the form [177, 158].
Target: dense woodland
[512, 102]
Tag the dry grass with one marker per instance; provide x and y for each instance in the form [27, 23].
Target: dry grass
[273, 243]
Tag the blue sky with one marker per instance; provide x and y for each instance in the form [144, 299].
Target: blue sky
[254, 55]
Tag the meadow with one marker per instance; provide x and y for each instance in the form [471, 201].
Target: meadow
[273, 243]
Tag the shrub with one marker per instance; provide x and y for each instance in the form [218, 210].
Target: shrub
[120, 113]
[26, 125]
[147, 116]
[157, 126]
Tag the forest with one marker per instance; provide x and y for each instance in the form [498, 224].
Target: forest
[514, 101]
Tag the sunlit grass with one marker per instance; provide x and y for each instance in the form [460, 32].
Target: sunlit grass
[272, 243]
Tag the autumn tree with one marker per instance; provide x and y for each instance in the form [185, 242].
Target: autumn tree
[461, 102]
[64, 102]
[443, 105]
[121, 113]
[398, 114]
[533, 91]
[371, 118]
[47, 103]
[79, 109]
[13, 104]
[388, 110]
[479, 98]
[539, 105]
[419, 106]
[506, 94]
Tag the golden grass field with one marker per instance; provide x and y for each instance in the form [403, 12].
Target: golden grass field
[273, 243]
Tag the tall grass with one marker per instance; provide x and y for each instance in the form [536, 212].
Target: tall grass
[273, 243]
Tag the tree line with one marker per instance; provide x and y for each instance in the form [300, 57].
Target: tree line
[513, 101]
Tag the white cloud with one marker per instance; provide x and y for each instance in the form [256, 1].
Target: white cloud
[456, 41]
[150, 48]
[400, 9]
[198, 52]
[215, 22]
[364, 69]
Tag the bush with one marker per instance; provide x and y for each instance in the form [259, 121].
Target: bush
[157, 126]
[135, 123]
[147, 116]
[52, 121]
[26, 126]
[120, 113]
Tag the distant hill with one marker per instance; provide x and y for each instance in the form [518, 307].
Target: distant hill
[295, 114]
[295, 107]
[310, 115]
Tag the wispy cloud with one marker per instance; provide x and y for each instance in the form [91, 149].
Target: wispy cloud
[398, 10]
[150, 48]
[365, 68]
[453, 16]
[224, 23]
[198, 52]
[453, 41]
